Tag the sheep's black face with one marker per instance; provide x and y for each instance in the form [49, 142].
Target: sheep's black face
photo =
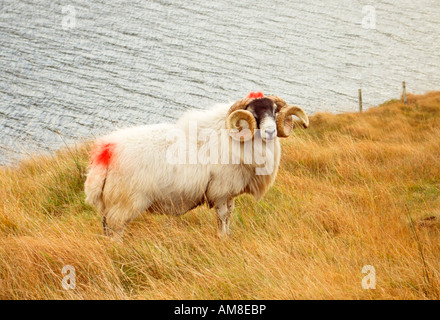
[265, 112]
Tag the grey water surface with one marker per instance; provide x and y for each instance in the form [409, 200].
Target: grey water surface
[73, 70]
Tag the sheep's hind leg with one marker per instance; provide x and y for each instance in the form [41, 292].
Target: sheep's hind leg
[113, 230]
[105, 226]
[117, 217]
[109, 232]
[224, 210]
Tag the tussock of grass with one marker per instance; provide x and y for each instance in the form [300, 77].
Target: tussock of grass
[353, 190]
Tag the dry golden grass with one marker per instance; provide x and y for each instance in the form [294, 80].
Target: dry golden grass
[353, 190]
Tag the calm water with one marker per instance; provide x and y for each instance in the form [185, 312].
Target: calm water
[77, 69]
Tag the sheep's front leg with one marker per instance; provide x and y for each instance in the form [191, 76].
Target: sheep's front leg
[224, 210]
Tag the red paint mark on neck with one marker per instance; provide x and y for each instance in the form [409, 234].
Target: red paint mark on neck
[255, 95]
[102, 154]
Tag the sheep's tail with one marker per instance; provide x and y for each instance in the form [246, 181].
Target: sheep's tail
[95, 183]
[94, 187]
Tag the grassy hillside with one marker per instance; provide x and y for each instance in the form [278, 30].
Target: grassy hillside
[353, 190]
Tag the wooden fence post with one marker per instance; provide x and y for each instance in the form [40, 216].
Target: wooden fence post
[360, 100]
[405, 101]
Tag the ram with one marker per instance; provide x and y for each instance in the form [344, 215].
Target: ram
[132, 170]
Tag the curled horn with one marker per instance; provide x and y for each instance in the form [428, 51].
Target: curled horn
[235, 117]
[284, 119]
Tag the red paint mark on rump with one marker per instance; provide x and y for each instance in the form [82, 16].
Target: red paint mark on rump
[102, 154]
